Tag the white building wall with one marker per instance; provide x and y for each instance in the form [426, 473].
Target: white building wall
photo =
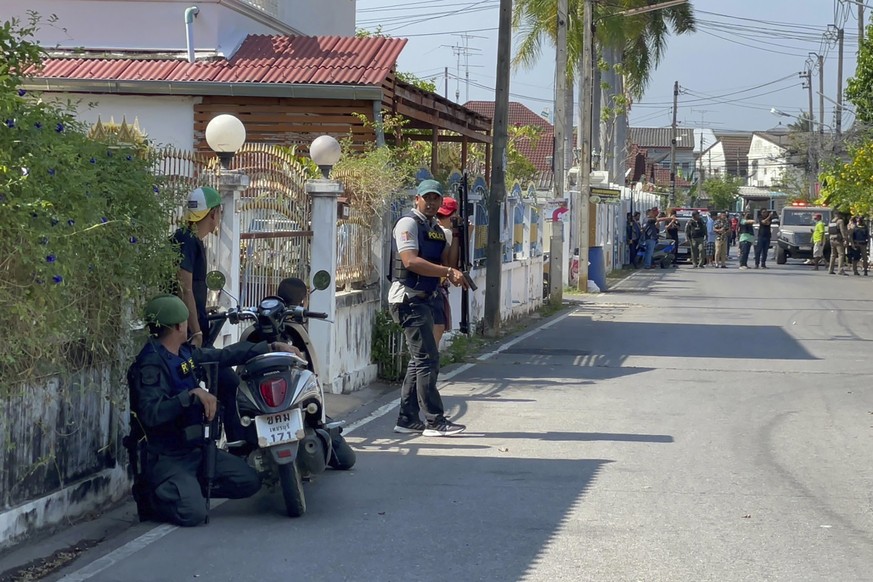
[714, 161]
[767, 163]
[220, 26]
[166, 121]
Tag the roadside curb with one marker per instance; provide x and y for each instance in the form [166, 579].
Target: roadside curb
[35, 555]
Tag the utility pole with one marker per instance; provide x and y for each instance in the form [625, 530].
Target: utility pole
[821, 98]
[585, 154]
[673, 147]
[447, 82]
[811, 152]
[556, 243]
[497, 193]
[838, 125]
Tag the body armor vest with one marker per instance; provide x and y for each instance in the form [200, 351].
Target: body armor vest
[431, 243]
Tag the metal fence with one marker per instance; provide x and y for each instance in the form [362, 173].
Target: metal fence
[275, 220]
[275, 212]
[355, 236]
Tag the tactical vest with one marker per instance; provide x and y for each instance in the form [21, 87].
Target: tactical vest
[431, 243]
[860, 235]
[834, 231]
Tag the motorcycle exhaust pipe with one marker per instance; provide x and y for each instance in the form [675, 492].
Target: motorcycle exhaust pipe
[312, 453]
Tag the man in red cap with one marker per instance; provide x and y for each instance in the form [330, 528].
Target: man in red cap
[448, 217]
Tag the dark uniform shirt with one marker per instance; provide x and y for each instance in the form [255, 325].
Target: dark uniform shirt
[160, 383]
[194, 261]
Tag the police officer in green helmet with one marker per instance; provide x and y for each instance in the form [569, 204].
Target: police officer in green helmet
[167, 411]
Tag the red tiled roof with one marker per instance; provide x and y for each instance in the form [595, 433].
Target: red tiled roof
[518, 113]
[329, 60]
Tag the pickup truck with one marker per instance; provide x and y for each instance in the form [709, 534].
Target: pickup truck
[794, 240]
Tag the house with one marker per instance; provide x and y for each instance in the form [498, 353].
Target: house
[735, 148]
[650, 156]
[541, 151]
[768, 157]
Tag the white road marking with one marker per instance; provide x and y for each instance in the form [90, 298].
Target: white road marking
[160, 531]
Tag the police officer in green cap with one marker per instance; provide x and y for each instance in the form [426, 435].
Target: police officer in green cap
[167, 410]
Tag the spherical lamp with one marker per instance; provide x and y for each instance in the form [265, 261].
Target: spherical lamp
[325, 151]
[225, 134]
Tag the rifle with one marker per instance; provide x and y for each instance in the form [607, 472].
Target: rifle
[464, 254]
[211, 432]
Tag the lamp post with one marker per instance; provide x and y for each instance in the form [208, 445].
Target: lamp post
[325, 151]
[225, 135]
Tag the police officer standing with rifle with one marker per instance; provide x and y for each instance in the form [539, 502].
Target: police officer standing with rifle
[171, 416]
[419, 260]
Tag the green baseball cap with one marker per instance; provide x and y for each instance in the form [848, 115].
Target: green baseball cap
[428, 186]
[200, 202]
[165, 310]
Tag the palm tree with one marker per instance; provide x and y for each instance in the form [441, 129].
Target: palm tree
[631, 48]
[642, 39]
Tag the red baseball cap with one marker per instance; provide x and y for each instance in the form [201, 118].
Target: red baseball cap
[449, 207]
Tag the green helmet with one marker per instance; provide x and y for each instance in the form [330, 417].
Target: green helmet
[165, 311]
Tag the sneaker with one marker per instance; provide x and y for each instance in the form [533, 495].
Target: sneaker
[443, 428]
[744, 267]
[409, 427]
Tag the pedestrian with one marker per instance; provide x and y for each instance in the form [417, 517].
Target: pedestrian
[838, 235]
[638, 237]
[168, 408]
[818, 240]
[650, 236]
[746, 231]
[448, 217]
[762, 248]
[722, 229]
[202, 217]
[860, 237]
[632, 237]
[710, 238]
[672, 229]
[695, 233]
[735, 225]
[418, 261]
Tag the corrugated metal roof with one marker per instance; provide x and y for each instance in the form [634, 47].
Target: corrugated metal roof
[518, 113]
[661, 137]
[326, 60]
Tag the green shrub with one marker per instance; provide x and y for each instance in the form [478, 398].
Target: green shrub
[83, 230]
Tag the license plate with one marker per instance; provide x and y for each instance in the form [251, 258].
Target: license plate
[279, 428]
[805, 247]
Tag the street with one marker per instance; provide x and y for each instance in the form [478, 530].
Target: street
[690, 425]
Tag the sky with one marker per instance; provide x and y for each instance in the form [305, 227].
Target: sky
[742, 61]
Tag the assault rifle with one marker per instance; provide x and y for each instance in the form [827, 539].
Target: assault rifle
[211, 432]
[464, 252]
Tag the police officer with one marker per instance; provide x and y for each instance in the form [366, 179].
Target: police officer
[419, 260]
[167, 411]
[838, 235]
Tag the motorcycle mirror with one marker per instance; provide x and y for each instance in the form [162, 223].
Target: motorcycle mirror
[215, 280]
[321, 280]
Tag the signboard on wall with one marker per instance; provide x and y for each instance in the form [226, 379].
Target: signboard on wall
[605, 196]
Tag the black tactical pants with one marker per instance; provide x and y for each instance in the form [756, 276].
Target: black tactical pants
[178, 490]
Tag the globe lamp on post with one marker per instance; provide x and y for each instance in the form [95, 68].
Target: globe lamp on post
[225, 134]
[325, 151]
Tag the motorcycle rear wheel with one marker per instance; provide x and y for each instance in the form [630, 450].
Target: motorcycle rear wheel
[292, 489]
[342, 456]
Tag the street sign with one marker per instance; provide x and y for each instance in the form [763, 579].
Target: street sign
[605, 196]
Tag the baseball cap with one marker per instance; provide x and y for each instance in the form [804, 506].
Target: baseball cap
[165, 310]
[200, 202]
[449, 207]
[428, 186]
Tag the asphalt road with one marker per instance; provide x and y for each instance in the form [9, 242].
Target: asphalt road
[693, 425]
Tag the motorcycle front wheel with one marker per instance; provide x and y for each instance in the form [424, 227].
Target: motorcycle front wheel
[292, 489]
[342, 456]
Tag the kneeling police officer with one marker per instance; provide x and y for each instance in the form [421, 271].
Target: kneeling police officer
[167, 411]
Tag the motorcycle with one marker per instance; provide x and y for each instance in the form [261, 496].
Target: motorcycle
[288, 436]
[663, 255]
